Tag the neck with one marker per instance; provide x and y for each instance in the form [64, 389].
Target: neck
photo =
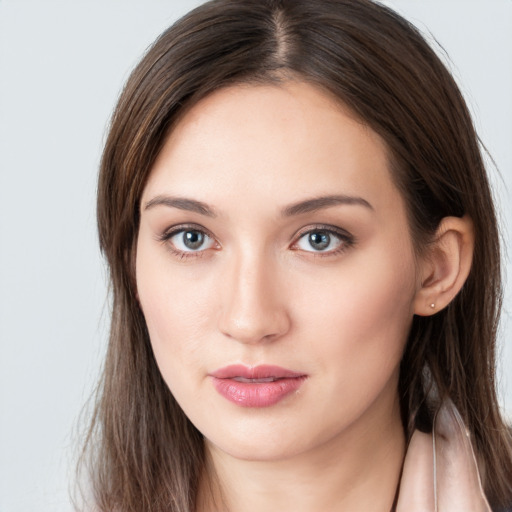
[358, 470]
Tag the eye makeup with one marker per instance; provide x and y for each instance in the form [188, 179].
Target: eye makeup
[320, 240]
[191, 245]
[329, 240]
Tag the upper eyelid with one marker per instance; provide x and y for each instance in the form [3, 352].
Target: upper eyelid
[173, 230]
[344, 237]
[324, 227]
[306, 229]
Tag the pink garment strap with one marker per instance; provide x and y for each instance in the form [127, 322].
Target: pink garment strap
[440, 471]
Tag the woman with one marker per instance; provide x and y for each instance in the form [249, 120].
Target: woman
[305, 271]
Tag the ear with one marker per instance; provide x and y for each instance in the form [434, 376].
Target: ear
[445, 266]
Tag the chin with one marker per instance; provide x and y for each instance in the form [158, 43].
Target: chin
[258, 450]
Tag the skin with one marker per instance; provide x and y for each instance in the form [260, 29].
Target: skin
[257, 292]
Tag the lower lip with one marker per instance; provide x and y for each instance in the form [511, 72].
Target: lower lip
[257, 394]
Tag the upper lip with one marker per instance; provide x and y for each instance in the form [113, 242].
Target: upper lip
[255, 372]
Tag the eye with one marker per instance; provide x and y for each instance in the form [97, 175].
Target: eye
[323, 240]
[189, 240]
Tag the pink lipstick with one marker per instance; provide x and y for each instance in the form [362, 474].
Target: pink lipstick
[259, 386]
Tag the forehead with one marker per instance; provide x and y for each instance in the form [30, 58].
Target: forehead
[275, 143]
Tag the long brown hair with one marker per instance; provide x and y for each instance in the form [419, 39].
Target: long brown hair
[145, 454]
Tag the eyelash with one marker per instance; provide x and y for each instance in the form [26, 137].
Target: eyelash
[346, 240]
[167, 235]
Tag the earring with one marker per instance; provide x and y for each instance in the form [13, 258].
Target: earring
[433, 306]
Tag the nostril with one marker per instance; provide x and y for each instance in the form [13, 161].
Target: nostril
[255, 328]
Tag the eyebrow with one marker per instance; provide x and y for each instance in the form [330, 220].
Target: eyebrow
[318, 203]
[182, 203]
[299, 208]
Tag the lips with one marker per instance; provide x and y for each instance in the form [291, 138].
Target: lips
[259, 386]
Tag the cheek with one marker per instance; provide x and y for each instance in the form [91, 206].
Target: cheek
[360, 319]
[177, 307]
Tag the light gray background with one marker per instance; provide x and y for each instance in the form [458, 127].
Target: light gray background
[62, 64]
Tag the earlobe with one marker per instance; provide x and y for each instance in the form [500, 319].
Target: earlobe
[446, 265]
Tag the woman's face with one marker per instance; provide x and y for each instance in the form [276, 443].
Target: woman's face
[276, 271]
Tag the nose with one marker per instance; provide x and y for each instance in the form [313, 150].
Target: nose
[254, 308]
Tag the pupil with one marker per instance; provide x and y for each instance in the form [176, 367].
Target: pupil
[319, 240]
[193, 239]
